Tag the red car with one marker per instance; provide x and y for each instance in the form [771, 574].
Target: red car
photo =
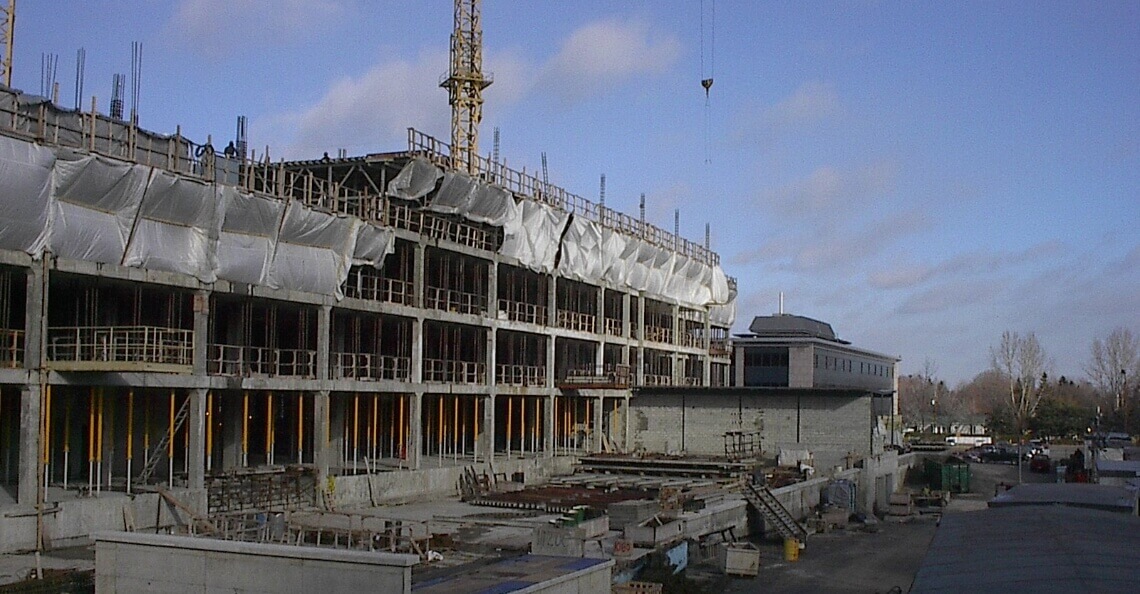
[1040, 463]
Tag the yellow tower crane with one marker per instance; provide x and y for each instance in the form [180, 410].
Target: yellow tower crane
[465, 83]
[7, 30]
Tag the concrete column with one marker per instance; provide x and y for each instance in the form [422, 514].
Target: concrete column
[625, 437]
[416, 430]
[321, 454]
[596, 444]
[27, 492]
[706, 344]
[625, 320]
[417, 370]
[324, 335]
[548, 426]
[35, 316]
[492, 338]
[231, 411]
[201, 331]
[552, 302]
[487, 437]
[550, 362]
[600, 320]
[197, 428]
[676, 324]
[418, 262]
[639, 326]
[493, 289]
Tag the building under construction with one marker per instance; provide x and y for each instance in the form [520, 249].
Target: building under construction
[171, 313]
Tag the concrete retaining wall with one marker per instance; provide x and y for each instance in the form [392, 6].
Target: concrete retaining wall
[131, 562]
[393, 488]
[71, 522]
[830, 426]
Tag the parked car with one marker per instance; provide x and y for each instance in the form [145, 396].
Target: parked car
[1040, 463]
[999, 453]
[1040, 446]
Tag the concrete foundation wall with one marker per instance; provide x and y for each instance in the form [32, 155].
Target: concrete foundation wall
[830, 426]
[126, 562]
[434, 483]
[72, 522]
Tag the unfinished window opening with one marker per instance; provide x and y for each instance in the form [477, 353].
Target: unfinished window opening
[118, 326]
[455, 282]
[718, 342]
[692, 328]
[391, 283]
[520, 359]
[372, 430]
[658, 322]
[371, 347]
[454, 353]
[658, 368]
[13, 299]
[523, 295]
[693, 370]
[262, 338]
[577, 305]
[519, 423]
[10, 439]
[574, 424]
[614, 313]
[452, 426]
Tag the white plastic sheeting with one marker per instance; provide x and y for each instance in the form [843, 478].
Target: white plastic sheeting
[416, 180]
[178, 227]
[461, 195]
[248, 237]
[94, 204]
[314, 251]
[534, 242]
[372, 245]
[25, 192]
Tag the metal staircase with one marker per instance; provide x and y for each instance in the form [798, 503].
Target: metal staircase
[774, 512]
[159, 448]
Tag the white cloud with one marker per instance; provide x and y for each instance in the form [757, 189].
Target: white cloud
[829, 189]
[367, 113]
[223, 27]
[604, 55]
[813, 102]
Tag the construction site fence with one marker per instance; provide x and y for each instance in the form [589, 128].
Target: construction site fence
[121, 344]
[367, 284]
[457, 372]
[454, 301]
[574, 320]
[277, 490]
[520, 375]
[517, 311]
[609, 374]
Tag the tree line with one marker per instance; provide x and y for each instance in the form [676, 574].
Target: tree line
[1017, 394]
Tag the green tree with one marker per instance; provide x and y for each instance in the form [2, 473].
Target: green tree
[1057, 418]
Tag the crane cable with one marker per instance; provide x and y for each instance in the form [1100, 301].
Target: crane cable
[707, 79]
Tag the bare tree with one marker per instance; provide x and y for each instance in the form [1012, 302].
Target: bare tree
[1022, 361]
[1115, 362]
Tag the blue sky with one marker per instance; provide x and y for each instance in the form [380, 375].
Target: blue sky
[922, 176]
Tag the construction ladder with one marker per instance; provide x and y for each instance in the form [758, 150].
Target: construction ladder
[774, 512]
[160, 447]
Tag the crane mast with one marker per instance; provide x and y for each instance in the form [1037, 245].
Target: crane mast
[7, 31]
[465, 84]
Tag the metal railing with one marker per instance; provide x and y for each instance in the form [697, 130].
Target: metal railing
[650, 379]
[121, 344]
[518, 311]
[11, 348]
[574, 320]
[243, 361]
[454, 301]
[608, 375]
[454, 372]
[531, 186]
[372, 287]
[368, 366]
[659, 334]
[719, 348]
[520, 375]
[689, 339]
[614, 327]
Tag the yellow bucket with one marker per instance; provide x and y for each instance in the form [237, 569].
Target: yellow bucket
[791, 549]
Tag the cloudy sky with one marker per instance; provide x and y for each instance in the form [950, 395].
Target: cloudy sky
[922, 176]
